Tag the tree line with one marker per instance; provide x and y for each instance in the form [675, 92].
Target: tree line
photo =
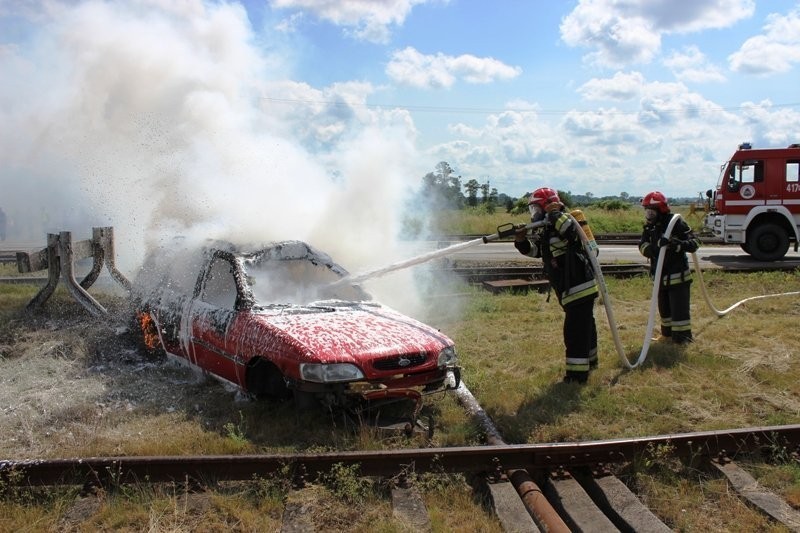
[444, 189]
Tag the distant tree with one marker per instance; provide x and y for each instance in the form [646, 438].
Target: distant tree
[566, 198]
[521, 205]
[485, 192]
[441, 189]
[614, 204]
[472, 187]
[625, 196]
[491, 201]
[443, 171]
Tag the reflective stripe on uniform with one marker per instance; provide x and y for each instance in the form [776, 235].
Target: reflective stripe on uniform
[579, 291]
[578, 364]
[682, 325]
[558, 246]
[679, 277]
[563, 223]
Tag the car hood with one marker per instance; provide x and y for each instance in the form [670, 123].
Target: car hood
[345, 334]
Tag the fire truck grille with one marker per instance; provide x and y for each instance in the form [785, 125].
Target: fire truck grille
[400, 362]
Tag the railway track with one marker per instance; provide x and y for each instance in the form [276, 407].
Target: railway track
[573, 480]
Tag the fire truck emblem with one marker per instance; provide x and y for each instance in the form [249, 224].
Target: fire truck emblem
[747, 192]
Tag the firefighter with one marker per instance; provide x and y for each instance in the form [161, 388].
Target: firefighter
[676, 277]
[571, 276]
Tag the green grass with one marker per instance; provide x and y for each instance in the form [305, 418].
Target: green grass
[477, 222]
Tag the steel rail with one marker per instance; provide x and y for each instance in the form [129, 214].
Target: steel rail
[116, 470]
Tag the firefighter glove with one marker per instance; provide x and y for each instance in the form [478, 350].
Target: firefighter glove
[553, 216]
[662, 241]
[676, 245]
[521, 234]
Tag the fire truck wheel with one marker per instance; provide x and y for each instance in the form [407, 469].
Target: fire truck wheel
[745, 247]
[768, 242]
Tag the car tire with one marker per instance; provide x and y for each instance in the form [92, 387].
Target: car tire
[264, 380]
[768, 242]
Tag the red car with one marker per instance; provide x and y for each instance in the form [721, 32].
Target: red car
[281, 321]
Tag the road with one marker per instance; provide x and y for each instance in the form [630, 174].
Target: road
[715, 256]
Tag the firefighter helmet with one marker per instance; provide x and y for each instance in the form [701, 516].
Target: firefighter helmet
[543, 197]
[656, 200]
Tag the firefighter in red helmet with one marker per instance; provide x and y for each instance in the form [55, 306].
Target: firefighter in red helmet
[676, 277]
[571, 275]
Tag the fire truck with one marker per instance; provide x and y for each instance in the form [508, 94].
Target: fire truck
[757, 201]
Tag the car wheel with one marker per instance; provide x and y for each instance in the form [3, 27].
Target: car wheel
[264, 380]
[768, 242]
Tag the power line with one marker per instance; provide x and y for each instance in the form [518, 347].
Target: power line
[490, 111]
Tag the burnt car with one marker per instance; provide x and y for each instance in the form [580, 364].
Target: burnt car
[282, 320]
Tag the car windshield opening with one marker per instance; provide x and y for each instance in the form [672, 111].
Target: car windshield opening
[297, 282]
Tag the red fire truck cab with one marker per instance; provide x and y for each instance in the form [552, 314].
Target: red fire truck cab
[757, 201]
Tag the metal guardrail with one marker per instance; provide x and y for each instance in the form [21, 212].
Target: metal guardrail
[58, 258]
[605, 238]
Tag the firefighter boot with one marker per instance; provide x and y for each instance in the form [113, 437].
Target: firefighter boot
[576, 377]
[682, 337]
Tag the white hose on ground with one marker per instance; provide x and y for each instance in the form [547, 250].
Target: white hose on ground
[654, 297]
[737, 304]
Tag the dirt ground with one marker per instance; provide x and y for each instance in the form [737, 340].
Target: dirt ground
[69, 380]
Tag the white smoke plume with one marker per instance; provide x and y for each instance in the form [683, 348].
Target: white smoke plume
[150, 116]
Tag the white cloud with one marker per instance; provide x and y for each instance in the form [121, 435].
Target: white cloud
[321, 119]
[364, 20]
[771, 126]
[410, 67]
[776, 51]
[691, 65]
[620, 87]
[623, 33]
[673, 139]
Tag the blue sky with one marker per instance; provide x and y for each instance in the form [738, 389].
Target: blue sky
[160, 116]
[623, 95]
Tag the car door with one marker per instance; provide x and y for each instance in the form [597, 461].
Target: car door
[213, 312]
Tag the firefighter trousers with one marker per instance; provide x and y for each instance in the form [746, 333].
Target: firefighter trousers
[580, 337]
[673, 307]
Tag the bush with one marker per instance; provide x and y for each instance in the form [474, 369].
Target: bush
[613, 205]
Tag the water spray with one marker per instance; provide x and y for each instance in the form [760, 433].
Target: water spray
[505, 230]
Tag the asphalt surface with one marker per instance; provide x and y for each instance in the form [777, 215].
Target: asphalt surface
[716, 256]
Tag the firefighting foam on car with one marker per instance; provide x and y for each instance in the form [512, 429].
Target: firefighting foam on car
[272, 321]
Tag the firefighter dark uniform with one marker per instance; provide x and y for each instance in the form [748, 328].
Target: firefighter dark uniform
[571, 277]
[676, 277]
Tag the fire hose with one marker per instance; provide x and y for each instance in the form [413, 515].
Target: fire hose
[654, 298]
